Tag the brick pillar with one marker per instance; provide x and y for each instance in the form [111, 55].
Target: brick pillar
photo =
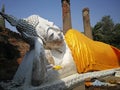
[2, 20]
[66, 15]
[86, 23]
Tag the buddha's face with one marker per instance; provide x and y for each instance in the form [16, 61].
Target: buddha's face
[54, 38]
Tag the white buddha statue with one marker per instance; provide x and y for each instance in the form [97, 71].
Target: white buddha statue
[43, 37]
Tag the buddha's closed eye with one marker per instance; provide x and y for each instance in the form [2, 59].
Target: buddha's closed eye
[51, 36]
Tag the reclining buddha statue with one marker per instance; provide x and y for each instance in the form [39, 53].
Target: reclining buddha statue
[53, 55]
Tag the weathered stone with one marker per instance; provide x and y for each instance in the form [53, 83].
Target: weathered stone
[117, 74]
[80, 87]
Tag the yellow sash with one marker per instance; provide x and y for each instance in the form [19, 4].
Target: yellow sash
[91, 55]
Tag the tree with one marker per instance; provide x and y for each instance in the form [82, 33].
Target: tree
[106, 31]
[116, 34]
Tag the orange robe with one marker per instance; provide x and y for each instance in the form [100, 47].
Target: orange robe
[91, 55]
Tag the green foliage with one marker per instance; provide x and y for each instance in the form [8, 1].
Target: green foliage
[106, 31]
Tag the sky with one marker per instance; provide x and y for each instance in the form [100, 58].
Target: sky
[52, 10]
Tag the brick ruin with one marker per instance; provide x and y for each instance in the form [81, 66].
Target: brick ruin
[66, 15]
[86, 23]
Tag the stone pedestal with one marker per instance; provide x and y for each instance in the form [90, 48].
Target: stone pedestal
[73, 82]
[81, 86]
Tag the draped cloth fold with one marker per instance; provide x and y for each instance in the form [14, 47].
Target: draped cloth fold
[91, 55]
